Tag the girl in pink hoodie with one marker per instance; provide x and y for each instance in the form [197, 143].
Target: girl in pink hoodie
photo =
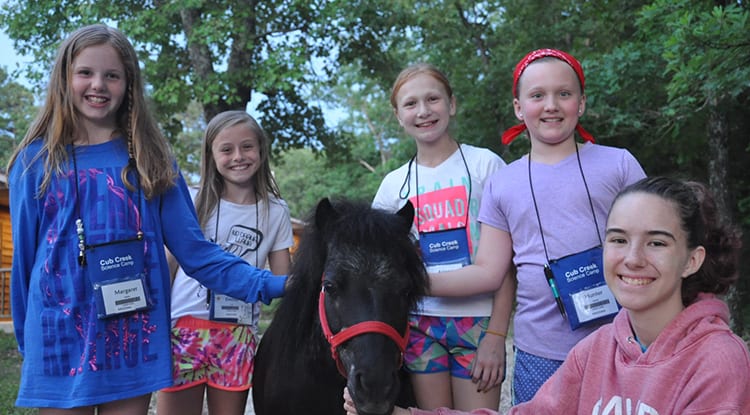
[670, 349]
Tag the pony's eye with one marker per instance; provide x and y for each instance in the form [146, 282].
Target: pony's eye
[329, 287]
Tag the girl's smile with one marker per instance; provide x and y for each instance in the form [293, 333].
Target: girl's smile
[424, 108]
[646, 256]
[549, 101]
[98, 87]
[236, 151]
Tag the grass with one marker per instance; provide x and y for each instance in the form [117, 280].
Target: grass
[10, 372]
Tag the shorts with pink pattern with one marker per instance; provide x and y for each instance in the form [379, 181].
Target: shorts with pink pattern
[221, 355]
[443, 344]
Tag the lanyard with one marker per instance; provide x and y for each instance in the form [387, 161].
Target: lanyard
[407, 184]
[80, 231]
[536, 208]
[216, 240]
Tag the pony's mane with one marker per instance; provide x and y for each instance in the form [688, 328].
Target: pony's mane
[356, 224]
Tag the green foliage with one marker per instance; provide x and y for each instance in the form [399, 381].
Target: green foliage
[16, 112]
[706, 49]
[187, 145]
[706, 54]
[298, 175]
[215, 53]
[666, 79]
[305, 177]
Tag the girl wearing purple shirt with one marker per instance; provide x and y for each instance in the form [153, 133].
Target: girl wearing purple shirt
[548, 204]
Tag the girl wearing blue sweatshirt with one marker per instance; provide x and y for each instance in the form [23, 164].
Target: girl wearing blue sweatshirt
[95, 197]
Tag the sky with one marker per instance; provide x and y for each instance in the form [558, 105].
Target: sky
[8, 56]
[6, 47]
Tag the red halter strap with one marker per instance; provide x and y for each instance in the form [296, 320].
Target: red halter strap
[335, 340]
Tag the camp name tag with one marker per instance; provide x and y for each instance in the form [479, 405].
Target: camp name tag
[231, 310]
[580, 282]
[118, 278]
[445, 250]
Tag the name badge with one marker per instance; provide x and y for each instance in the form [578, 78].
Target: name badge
[117, 274]
[580, 281]
[231, 310]
[445, 250]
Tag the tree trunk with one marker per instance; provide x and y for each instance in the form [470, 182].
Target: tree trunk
[200, 55]
[718, 179]
[240, 56]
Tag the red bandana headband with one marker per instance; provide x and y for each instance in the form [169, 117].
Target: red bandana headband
[512, 132]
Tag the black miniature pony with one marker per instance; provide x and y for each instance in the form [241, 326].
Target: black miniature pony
[360, 265]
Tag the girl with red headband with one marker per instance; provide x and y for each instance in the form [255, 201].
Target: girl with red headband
[456, 349]
[546, 208]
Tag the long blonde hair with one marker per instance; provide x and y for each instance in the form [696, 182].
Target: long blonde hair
[57, 120]
[212, 183]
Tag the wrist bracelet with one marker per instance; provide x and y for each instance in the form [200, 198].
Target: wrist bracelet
[496, 333]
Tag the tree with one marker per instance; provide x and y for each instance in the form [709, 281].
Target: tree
[368, 113]
[707, 50]
[305, 177]
[666, 79]
[188, 146]
[16, 111]
[218, 54]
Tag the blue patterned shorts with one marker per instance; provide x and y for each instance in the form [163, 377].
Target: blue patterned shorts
[529, 374]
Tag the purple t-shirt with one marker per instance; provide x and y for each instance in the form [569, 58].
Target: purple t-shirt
[568, 225]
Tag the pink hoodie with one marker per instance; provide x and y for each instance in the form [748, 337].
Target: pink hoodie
[695, 366]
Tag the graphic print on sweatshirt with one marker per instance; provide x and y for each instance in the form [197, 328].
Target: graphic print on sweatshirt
[618, 405]
[73, 339]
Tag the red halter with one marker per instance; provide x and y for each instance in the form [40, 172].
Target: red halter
[363, 327]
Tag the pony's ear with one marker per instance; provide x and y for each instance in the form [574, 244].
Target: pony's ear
[406, 213]
[324, 213]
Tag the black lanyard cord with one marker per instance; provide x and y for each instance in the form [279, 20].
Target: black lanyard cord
[416, 182]
[407, 180]
[80, 231]
[536, 207]
[216, 239]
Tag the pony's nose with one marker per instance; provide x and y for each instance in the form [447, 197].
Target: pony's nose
[371, 385]
[375, 393]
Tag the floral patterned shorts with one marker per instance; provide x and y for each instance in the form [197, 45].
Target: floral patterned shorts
[219, 354]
